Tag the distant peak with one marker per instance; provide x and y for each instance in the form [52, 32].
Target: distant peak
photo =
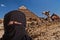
[22, 7]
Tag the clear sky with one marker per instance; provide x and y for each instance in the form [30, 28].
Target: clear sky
[36, 6]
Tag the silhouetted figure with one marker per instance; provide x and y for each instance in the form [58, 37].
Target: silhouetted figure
[14, 26]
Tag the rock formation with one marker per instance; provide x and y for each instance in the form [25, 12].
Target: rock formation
[40, 28]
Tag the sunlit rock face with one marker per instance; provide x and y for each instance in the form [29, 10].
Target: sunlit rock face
[45, 31]
[51, 31]
[38, 28]
[1, 23]
[29, 14]
[1, 28]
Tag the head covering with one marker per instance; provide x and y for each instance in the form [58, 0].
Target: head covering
[14, 31]
[15, 16]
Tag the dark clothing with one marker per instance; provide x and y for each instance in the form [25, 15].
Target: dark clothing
[15, 31]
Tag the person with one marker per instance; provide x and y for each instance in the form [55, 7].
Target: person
[14, 26]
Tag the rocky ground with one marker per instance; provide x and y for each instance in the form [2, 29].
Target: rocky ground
[44, 31]
[1, 33]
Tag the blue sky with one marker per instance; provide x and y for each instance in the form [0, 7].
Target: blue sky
[36, 6]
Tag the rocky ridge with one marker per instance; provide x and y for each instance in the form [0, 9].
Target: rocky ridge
[49, 31]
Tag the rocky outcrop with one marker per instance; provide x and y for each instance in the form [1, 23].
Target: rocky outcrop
[55, 17]
[39, 28]
[29, 14]
[1, 21]
[46, 31]
[1, 24]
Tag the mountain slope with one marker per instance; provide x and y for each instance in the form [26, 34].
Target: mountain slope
[48, 31]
